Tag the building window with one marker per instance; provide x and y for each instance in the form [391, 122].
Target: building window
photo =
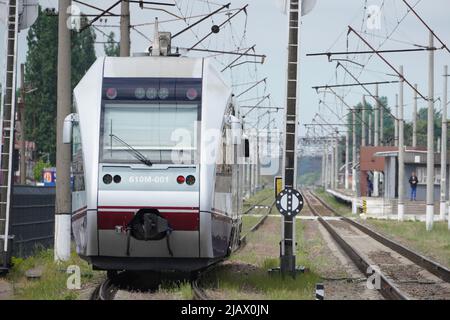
[422, 175]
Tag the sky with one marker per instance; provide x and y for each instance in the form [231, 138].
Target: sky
[322, 30]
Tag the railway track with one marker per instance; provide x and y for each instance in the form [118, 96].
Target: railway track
[403, 274]
[198, 292]
[110, 286]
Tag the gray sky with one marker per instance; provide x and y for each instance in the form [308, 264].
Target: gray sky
[325, 28]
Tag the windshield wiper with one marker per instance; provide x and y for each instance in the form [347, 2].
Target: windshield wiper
[137, 154]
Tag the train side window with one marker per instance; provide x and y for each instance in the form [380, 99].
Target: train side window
[247, 148]
[77, 159]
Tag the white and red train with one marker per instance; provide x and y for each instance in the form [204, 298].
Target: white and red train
[157, 163]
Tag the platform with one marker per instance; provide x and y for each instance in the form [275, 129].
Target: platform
[380, 208]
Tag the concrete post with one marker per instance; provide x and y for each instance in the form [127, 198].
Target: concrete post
[376, 175]
[401, 153]
[396, 122]
[430, 139]
[363, 123]
[63, 152]
[346, 159]
[125, 29]
[443, 206]
[414, 137]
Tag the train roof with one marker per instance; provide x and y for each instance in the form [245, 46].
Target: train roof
[153, 66]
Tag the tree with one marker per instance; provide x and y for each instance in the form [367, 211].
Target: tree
[41, 73]
[111, 48]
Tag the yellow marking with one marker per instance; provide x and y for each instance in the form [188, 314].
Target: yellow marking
[278, 185]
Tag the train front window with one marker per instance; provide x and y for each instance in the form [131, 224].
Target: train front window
[162, 132]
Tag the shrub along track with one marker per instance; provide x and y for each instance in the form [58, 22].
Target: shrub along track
[403, 273]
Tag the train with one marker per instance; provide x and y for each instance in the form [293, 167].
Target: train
[158, 161]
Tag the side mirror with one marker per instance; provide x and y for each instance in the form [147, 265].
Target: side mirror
[67, 128]
[247, 148]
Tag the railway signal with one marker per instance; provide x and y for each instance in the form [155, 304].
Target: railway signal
[287, 247]
[289, 202]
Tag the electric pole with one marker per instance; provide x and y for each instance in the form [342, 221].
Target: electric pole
[396, 122]
[430, 139]
[22, 167]
[354, 151]
[381, 123]
[401, 153]
[370, 129]
[323, 169]
[443, 206]
[376, 175]
[63, 156]
[125, 28]
[363, 123]
[414, 138]
[346, 158]
[336, 163]
[7, 126]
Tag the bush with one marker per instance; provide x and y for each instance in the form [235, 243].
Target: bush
[37, 171]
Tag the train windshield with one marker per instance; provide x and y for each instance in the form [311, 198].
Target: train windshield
[150, 120]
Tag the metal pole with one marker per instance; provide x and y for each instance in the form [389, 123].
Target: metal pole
[376, 175]
[381, 124]
[377, 119]
[336, 163]
[125, 29]
[401, 154]
[430, 139]
[370, 129]
[396, 122]
[414, 138]
[333, 161]
[443, 206]
[325, 152]
[64, 105]
[354, 151]
[287, 257]
[22, 166]
[323, 169]
[363, 123]
[346, 159]
[8, 113]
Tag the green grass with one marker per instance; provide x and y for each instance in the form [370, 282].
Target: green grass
[174, 289]
[52, 284]
[341, 208]
[273, 287]
[263, 197]
[435, 243]
[254, 282]
[248, 222]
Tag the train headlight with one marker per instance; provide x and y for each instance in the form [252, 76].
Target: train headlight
[180, 179]
[163, 93]
[111, 93]
[190, 180]
[139, 93]
[117, 178]
[107, 179]
[152, 93]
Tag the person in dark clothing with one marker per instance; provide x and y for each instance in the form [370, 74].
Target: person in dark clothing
[413, 183]
[369, 186]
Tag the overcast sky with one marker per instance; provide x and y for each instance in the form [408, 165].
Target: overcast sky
[324, 29]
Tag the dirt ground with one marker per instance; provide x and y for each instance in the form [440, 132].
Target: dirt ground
[6, 290]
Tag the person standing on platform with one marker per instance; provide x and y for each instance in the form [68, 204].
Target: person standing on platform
[413, 183]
